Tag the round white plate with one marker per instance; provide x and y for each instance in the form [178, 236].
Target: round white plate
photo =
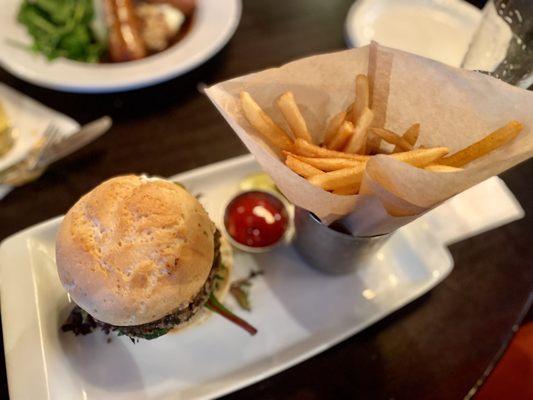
[437, 29]
[214, 24]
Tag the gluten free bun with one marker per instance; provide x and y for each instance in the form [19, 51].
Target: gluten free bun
[220, 292]
[134, 250]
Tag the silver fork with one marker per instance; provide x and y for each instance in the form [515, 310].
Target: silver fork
[32, 166]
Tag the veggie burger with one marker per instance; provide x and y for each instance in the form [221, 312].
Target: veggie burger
[140, 256]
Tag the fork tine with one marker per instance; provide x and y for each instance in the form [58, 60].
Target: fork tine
[51, 132]
[51, 135]
[48, 138]
[31, 167]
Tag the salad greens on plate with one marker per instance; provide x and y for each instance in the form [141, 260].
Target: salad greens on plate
[104, 30]
[61, 28]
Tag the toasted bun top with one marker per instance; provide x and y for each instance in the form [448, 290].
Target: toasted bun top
[134, 250]
[220, 291]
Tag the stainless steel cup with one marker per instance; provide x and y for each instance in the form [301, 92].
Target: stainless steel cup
[329, 250]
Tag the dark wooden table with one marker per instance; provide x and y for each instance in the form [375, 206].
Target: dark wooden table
[436, 347]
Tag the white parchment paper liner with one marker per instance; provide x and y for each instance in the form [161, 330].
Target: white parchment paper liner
[454, 107]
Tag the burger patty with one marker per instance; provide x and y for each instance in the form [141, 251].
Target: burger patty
[81, 322]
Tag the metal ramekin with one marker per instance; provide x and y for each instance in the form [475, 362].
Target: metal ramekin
[328, 250]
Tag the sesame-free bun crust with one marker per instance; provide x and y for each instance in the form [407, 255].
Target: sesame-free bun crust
[226, 256]
[134, 250]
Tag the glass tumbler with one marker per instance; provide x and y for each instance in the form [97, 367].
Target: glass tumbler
[502, 45]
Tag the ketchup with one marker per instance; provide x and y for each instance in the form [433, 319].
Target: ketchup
[256, 219]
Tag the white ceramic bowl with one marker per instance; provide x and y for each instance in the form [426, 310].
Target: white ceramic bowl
[437, 29]
[214, 24]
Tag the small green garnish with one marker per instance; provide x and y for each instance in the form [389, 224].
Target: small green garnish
[156, 333]
[219, 276]
[61, 28]
[258, 181]
[241, 292]
[149, 336]
[214, 305]
[240, 289]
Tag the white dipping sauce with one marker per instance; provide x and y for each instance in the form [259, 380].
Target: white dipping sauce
[434, 29]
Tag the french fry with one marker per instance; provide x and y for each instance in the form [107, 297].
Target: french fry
[346, 191]
[303, 148]
[410, 136]
[339, 179]
[341, 172]
[333, 127]
[327, 164]
[264, 124]
[484, 146]
[293, 116]
[301, 168]
[344, 134]
[349, 112]
[418, 158]
[421, 157]
[392, 138]
[351, 177]
[442, 168]
[373, 144]
[362, 96]
[358, 140]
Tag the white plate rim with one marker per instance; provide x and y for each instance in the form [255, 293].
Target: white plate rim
[460, 6]
[127, 80]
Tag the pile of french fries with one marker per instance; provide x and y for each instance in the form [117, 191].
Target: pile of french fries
[338, 164]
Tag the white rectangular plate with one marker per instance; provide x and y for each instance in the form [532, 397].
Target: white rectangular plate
[298, 311]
